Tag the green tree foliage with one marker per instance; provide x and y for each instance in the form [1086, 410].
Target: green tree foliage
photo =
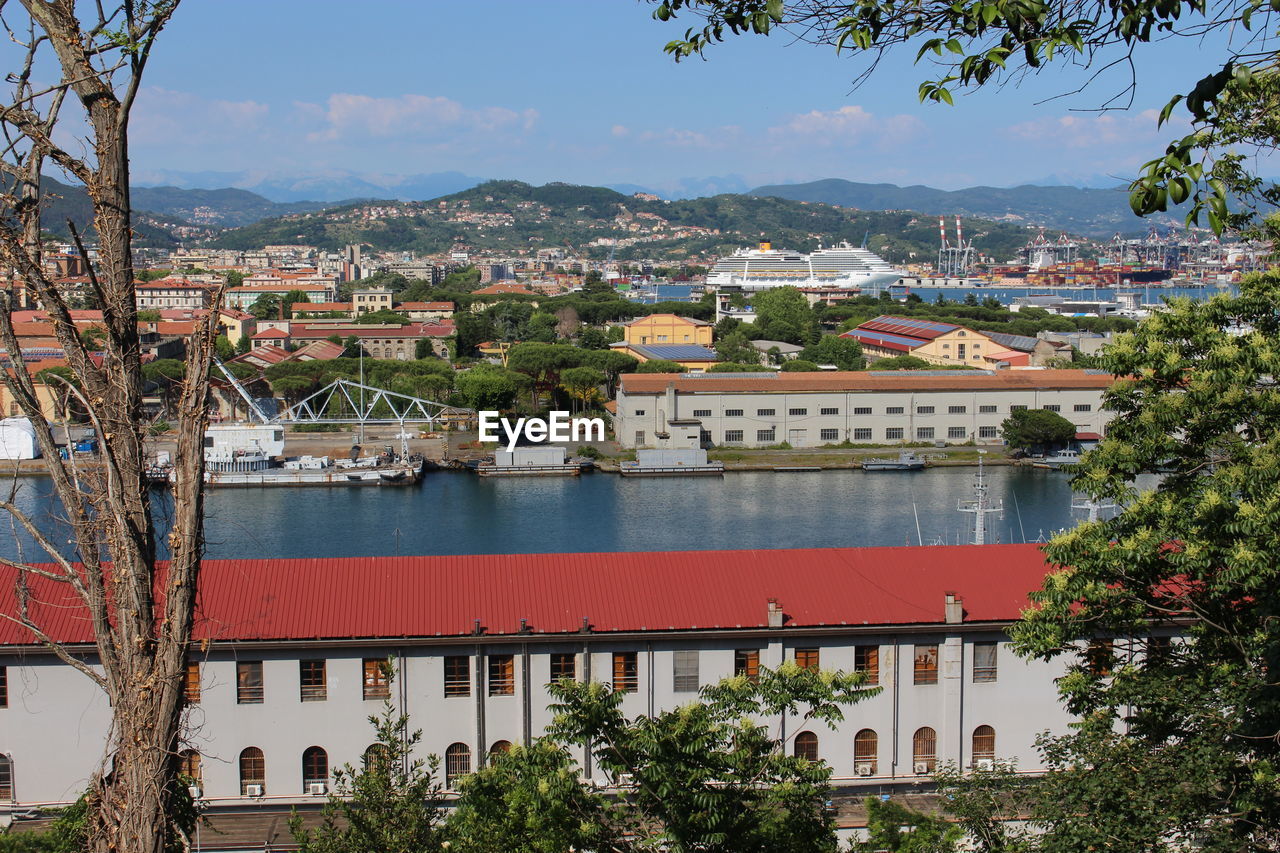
[737, 348]
[783, 314]
[223, 348]
[659, 365]
[235, 278]
[384, 316]
[712, 776]
[1190, 555]
[543, 363]
[465, 280]
[582, 383]
[593, 338]
[265, 307]
[1031, 428]
[611, 363]
[901, 362]
[1232, 106]
[487, 386]
[529, 800]
[799, 365]
[895, 828]
[392, 803]
[738, 367]
[148, 316]
[294, 297]
[844, 353]
[990, 806]
[472, 330]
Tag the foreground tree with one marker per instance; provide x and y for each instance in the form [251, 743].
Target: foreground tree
[1167, 613]
[844, 353]
[140, 613]
[1232, 107]
[1029, 428]
[708, 776]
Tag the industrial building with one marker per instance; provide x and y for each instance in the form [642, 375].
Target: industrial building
[288, 661]
[831, 407]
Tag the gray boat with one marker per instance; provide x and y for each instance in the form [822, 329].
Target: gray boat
[905, 461]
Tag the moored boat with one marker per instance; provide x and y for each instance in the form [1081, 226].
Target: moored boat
[905, 461]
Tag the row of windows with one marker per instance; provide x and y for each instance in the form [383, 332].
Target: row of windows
[737, 436]
[889, 410]
[313, 677]
[924, 749]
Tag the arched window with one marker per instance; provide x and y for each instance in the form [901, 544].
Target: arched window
[253, 770]
[315, 768]
[984, 744]
[457, 763]
[376, 757]
[865, 747]
[924, 750]
[6, 777]
[189, 765]
[500, 747]
[806, 746]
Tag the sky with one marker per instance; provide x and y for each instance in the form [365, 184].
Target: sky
[581, 91]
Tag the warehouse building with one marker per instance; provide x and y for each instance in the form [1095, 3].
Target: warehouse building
[864, 407]
[290, 660]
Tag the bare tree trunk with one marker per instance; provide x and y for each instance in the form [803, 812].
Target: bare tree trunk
[141, 609]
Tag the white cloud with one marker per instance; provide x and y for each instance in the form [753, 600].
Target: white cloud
[165, 116]
[348, 115]
[620, 130]
[1089, 130]
[844, 126]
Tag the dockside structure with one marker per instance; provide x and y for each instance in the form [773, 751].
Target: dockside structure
[811, 409]
[287, 663]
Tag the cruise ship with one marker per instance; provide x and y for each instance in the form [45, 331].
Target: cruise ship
[842, 266]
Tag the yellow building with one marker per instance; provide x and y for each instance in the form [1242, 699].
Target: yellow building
[936, 343]
[658, 329]
[50, 396]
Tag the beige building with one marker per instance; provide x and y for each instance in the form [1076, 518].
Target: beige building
[667, 329]
[369, 300]
[813, 409]
[171, 293]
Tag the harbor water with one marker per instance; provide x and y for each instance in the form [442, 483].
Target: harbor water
[459, 513]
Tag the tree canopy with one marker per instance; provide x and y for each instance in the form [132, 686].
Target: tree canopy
[1028, 428]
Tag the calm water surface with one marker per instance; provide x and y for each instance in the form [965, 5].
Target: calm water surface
[458, 513]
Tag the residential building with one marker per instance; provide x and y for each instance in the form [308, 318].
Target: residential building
[426, 310]
[285, 671]
[172, 293]
[370, 299]
[829, 407]
[380, 340]
[243, 297]
[936, 343]
[667, 329]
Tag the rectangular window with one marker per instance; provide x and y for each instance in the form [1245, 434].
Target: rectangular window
[1017, 408]
[766, 413]
[829, 434]
[956, 432]
[893, 434]
[457, 675]
[926, 664]
[765, 435]
[502, 675]
[747, 662]
[894, 410]
[190, 683]
[862, 433]
[564, 667]
[924, 410]
[702, 413]
[313, 681]
[862, 410]
[626, 672]
[733, 413]
[984, 661]
[732, 435]
[924, 433]
[1053, 407]
[376, 683]
[1083, 407]
[797, 412]
[807, 658]
[1099, 657]
[867, 659]
[4, 687]
[639, 437]
[987, 410]
[639, 412]
[830, 411]
[987, 432]
[249, 682]
[957, 410]
[685, 671]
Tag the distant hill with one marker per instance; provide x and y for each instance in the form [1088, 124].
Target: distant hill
[1091, 212]
[226, 208]
[511, 216]
[330, 186]
[61, 202]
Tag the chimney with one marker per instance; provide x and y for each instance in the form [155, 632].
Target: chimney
[774, 614]
[954, 609]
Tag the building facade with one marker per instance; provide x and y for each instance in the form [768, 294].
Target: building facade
[292, 662]
[830, 407]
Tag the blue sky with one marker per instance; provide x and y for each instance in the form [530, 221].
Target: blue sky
[580, 91]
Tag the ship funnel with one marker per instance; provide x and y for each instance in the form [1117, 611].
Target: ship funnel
[765, 246]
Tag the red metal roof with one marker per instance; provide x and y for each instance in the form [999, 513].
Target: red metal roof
[393, 597]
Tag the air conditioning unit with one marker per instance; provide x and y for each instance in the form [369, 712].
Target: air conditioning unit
[194, 791]
[317, 789]
[253, 790]
[922, 768]
[984, 764]
[864, 768]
